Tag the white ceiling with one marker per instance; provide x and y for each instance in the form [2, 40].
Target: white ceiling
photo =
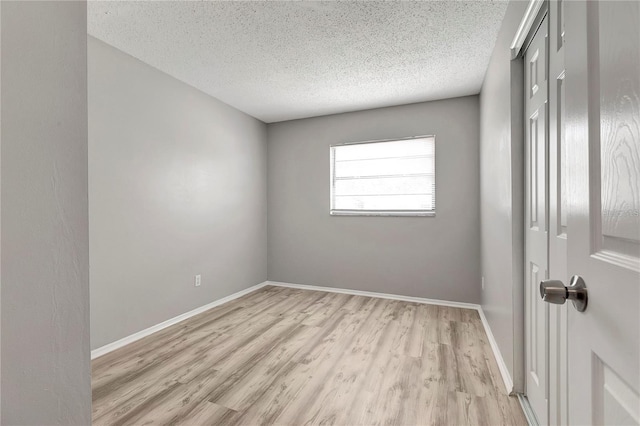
[282, 60]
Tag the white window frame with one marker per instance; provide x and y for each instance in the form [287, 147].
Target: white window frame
[418, 213]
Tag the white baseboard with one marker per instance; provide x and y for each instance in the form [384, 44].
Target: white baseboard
[378, 295]
[504, 371]
[147, 331]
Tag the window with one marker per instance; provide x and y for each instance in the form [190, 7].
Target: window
[391, 177]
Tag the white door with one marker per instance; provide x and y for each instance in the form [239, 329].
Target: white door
[602, 55]
[536, 223]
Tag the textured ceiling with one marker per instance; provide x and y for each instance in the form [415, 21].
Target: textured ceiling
[281, 60]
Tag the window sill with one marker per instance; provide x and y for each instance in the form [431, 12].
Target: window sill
[382, 213]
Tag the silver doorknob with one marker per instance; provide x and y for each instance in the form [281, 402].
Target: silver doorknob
[554, 291]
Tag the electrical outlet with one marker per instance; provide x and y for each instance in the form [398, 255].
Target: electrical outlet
[482, 283]
[198, 280]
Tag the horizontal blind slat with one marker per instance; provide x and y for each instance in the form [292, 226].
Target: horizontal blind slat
[397, 185]
[385, 202]
[410, 147]
[379, 195]
[380, 167]
[416, 175]
[400, 157]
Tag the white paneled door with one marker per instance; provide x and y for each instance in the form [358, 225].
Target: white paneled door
[602, 132]
[536, 223]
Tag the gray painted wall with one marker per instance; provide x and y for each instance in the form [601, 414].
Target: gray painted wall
[501, 195]
[45, 263]
[177, 184]
[434, 257]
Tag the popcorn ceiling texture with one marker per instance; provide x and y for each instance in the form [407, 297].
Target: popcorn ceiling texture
[285, 60]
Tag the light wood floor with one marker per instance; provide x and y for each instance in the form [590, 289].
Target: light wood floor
[297, 357]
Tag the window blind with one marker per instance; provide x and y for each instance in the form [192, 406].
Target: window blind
[395, 176]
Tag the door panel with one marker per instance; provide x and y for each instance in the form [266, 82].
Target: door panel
[616, 403]
[603, 141]
[617, 33]
[536, 229]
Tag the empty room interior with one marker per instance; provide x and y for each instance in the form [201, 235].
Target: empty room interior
[320, 212]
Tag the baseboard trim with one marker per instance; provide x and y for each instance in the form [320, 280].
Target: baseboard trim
[103, 350]
[528, 411]
[504, 371]
[378, 295]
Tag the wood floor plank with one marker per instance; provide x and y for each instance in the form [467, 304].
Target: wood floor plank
[334, 398]
[296, 357]
[246, 389]
[181, 365]
[173, 406]
[151, 348]
[138, 365]
[130, 391]
[329, 305]
[473, 372]
[300, 379]
[152, 343]
[208, 413]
